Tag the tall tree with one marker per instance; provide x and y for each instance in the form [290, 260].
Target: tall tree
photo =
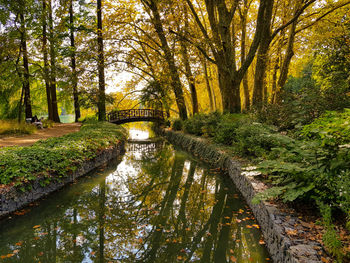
[222, 46]
[73, 63]
[53, 91]
[26, 82]
[152, 5]
[101, 66]
[46, 63]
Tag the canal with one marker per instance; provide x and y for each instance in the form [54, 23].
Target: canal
[155, 204]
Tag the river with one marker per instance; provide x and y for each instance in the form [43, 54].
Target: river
[154, 204]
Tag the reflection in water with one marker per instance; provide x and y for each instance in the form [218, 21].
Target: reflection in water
[158, 205]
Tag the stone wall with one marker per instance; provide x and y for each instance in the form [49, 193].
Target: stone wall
[13, 199]
[274, 224]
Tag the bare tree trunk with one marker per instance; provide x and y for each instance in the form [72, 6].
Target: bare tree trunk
[262, 58]
[175, 78]
[207, 82]
[55, 116]
[288, 57]
[101, 66]
[243, 15]
[190, 78]
[46, 63]
[26, 83]
[73, 63]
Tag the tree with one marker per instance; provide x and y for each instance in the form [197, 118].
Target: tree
[152, 5]
[222, 46]
[52, 40]
[101, 66]
[25, 76]
[73, 63]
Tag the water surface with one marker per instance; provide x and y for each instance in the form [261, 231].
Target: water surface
[156, 204]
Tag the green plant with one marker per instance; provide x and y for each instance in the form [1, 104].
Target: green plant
[177, 125]
[13, 127]
[195, 124]
[58, 157]
[47, 123]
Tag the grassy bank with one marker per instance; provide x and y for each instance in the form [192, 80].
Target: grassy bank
[58, 157]
[312, 166]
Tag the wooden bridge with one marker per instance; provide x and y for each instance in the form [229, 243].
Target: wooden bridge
[132, 115]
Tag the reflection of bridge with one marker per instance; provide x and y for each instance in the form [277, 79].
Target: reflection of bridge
[132, 115]
[144, 145]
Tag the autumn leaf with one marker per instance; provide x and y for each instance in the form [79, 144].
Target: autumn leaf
[261, 242]
[233, 259]
[37, 226]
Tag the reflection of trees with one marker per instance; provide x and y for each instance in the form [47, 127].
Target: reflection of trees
[167, 209]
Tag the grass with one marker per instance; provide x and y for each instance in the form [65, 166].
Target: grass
[10, 127]
[58, 157]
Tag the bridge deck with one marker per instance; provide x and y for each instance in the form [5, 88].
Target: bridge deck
[132, 115]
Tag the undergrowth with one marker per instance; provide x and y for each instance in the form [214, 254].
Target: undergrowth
[13, 127]
[57, 157]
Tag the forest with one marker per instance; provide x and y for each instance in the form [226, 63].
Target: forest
[269, 78]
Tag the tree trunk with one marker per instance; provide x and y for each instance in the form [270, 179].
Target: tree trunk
[55, 116]
[230, 91]
[243, 55]
[262, 58]
[101, 66]
[175, 78]
[190, 78]
[288, 57]
[46, 63]
[26, 83]
[73, 64]
[207, 82]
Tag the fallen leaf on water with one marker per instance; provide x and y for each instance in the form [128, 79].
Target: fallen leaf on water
[256, 226]
[261, 242]
[179, 258]
[248, 226]
[227, 217]
[19, 243]
[92, 253]
[37, 226]
[231, 251]
[238, 220]
[15, 251]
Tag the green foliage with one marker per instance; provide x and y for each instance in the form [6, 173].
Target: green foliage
[55, 158]
[47, 123]
[330, 237]
[256, 139]
[13, 127]
[302, 100]
[177, 125]
[195, 124]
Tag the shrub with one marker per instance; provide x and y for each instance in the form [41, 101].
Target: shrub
[256, 139]
[13, 127]
[195, 124]
[177, 125]
[226, 129]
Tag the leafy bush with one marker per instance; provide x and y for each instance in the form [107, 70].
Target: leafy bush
[256, 139]
[13, 127]
[47, 123]
[55, 158]
[177, 125]
[195, 124]
[226, 129]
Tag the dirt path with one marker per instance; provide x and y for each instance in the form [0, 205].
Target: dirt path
[26, 140]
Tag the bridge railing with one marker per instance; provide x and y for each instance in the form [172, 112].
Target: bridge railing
[132, 114]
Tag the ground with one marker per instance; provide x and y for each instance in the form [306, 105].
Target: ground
[26, 140]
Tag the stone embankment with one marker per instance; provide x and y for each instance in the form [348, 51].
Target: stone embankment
[13, 199]
[275, 225]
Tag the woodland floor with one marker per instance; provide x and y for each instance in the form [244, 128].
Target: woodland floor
[26, 140]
